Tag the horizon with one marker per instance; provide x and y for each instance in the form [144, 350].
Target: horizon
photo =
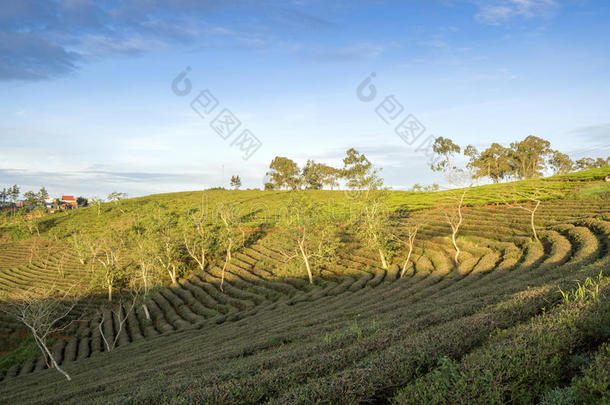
[93, 101]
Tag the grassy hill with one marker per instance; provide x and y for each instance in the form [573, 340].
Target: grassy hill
[516, 321]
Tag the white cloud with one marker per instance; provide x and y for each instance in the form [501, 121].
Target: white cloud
[501, 11]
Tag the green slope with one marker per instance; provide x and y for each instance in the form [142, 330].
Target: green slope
[497, 328]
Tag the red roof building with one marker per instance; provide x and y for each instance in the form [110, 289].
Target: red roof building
[69, 200]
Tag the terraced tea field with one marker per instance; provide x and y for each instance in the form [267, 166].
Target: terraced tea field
[516, 321]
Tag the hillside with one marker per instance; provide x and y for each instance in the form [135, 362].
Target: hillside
[517, 320]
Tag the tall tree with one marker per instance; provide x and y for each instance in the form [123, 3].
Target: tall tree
[360, 172]
[330, 176]
[313, 175]
[13, 193]
[495, 161]
[585, 163]
[43, 195]
[235, 182]
[284, 173]
[473, 164]
[3, 196]
[30, 198]
[447, 149]
[560, 162]
[529, 156]
[601, 162]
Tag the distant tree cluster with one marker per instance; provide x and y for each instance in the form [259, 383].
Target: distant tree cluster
[525, 159]
[358, 173]
[10, 194]
[39, 198]
[235, 182]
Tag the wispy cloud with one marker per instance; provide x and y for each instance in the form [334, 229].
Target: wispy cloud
[41, 39]
[501, 11]
[361, 50]
[595, 133]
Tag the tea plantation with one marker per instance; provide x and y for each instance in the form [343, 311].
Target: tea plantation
[516, 320]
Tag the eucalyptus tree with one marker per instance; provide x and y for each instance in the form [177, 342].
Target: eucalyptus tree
[529, 156]
[284, 173]
[560, 162]
[360, 172]
[445, 148]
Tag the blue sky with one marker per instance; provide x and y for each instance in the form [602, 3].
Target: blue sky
[87, 107]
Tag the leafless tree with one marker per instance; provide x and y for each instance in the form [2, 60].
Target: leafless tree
[43, 311]
[453, 216]
[120, 313]
[231, 236]
[515, 199]
[412, 227]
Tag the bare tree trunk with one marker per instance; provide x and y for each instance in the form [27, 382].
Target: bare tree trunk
[103, 335]
[306, 260]
[384, 264]
[488, 172]
[449, 167]
[404, 266]
[172, 275]
[109, 292]
[50, 356]
[532, 221]
[455, 245]
[227, 260]
[146, 311]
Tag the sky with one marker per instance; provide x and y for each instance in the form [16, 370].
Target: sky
[152, 96]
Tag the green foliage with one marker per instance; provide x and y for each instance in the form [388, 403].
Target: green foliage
[528, 157]
[374, 227]
[357, 334]
[587, 291]
[25, 351]
[284, 173]
[596, 191]
[360, 172]
[235, 182]
[447, 149]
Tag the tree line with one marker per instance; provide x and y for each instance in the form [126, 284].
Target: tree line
[525, 159]
[357, 172]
